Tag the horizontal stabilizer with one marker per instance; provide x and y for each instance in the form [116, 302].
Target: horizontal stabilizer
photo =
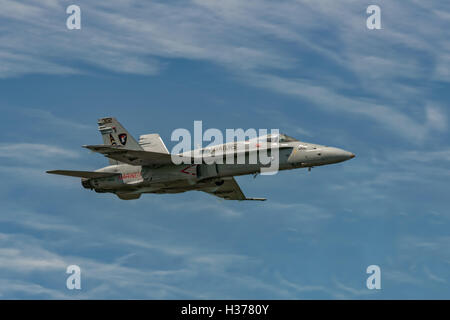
[83, 174]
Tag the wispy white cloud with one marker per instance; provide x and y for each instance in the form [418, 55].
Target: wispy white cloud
[11, 288]
[240, 35]
[346, 291]
[334, 102]
[401, 277]
[33, 151]
[302, 288]
[302, 212]
[440, 157]
[437, 245]
[35, 221]
[198, 206]
[284, 123]
[420, 260]
[27, 257]
[436, 118]
[48, 118]
[24, 255]
[386, 79]
[433, 276]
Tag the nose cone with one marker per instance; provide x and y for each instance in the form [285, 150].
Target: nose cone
[339, 155]
[346, 154]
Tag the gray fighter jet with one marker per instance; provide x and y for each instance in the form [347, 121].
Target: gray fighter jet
[148, 167]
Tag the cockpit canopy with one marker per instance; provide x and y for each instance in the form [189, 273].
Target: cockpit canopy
[286, 138]
[282, 138]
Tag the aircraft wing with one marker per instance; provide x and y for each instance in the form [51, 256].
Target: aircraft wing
[83, 174]
[143, 157]
[133, 157]
[229, 190]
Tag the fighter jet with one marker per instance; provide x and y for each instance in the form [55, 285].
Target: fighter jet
[148, 167]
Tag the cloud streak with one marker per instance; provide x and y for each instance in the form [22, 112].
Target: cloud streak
[240, 36]
[31, 151]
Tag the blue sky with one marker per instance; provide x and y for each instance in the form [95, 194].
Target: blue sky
[309, 68]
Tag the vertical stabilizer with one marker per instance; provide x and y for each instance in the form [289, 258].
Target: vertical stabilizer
[152, 142]
[113, 133]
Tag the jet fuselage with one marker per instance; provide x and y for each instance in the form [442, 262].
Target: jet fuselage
[148, 167]
[179, 178]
